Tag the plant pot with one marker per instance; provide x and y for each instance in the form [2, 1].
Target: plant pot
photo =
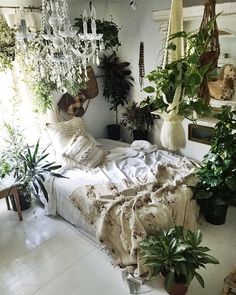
[113, 131]
[217, 214]
[178, 289]
[25, 202]
[140, 134]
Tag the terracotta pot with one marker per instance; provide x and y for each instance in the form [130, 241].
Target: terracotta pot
[178, 289]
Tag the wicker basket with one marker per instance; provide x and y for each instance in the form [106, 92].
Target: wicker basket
[91, 90]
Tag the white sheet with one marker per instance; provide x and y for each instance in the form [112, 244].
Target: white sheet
[125, 164]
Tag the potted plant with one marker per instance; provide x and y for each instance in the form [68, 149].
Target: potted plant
[216, 188]
[180, 88]
[177, 254]
[116, 87]
[10, 161]
[139, 119]
[27, 166]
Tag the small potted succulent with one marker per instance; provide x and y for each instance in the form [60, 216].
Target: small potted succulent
[177, 254]
[139, 119]
[216, 188]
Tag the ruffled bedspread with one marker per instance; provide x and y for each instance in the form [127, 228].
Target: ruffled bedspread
[147, 191]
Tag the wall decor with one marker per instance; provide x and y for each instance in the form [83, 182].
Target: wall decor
[200, 133]
[141, 65]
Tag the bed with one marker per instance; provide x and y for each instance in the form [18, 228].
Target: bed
[136, 191]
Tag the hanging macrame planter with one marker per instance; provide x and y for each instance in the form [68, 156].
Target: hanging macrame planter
[172, 132]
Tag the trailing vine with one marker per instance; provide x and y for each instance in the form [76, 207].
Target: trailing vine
[7, 45]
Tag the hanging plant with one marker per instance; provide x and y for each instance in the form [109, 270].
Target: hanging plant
[40, 81]
[166, 80]
[109, 29]
[7, 45]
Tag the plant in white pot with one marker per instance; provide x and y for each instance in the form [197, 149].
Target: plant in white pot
[177, 254]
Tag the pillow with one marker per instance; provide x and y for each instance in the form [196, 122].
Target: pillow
[82, 152]
[140, 144]
[60, 134]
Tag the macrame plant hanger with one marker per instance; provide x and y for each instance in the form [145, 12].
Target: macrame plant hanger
[172, 132]
[213, 51]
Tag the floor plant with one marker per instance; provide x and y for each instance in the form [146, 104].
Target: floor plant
[177, 254]
[217, 175]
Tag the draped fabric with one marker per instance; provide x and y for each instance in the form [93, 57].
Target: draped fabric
[172, 133]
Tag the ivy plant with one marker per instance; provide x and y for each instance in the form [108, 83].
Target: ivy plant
[7, 45]
[188, 71]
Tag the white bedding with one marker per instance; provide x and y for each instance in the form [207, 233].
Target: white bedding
[125, 163]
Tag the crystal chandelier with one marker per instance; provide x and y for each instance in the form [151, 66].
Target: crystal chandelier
[62, 53]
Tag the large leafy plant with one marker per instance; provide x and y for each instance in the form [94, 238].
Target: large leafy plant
[117, 81]
[188, 71]
[217, 175]
[177, 254]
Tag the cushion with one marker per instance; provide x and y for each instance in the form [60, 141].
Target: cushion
[61, 133]
[82, 152]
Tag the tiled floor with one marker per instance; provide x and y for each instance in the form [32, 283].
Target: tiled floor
[45, 256]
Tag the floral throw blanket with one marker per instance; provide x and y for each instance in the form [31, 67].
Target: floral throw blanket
[123, 213]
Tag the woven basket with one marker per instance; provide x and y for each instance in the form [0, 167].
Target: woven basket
[91, 90]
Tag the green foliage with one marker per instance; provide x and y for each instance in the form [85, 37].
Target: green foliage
[14, 145]
[177, 254]
[43, 97]
[188, 72]
[139, 116]
[36, 168]
[27, 165]
[217, 175]
[7, 45]
[40, 81]
[116, 81]
[109, 30]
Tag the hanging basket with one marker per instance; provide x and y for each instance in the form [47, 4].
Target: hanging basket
[91, 90]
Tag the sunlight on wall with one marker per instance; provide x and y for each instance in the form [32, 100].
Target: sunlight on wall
[16, 105]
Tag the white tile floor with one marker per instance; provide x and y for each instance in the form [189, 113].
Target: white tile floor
[46, 256]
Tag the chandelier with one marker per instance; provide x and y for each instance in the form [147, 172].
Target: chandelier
[61, 54]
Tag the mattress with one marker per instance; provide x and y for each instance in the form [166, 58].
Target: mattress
[64, 206]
